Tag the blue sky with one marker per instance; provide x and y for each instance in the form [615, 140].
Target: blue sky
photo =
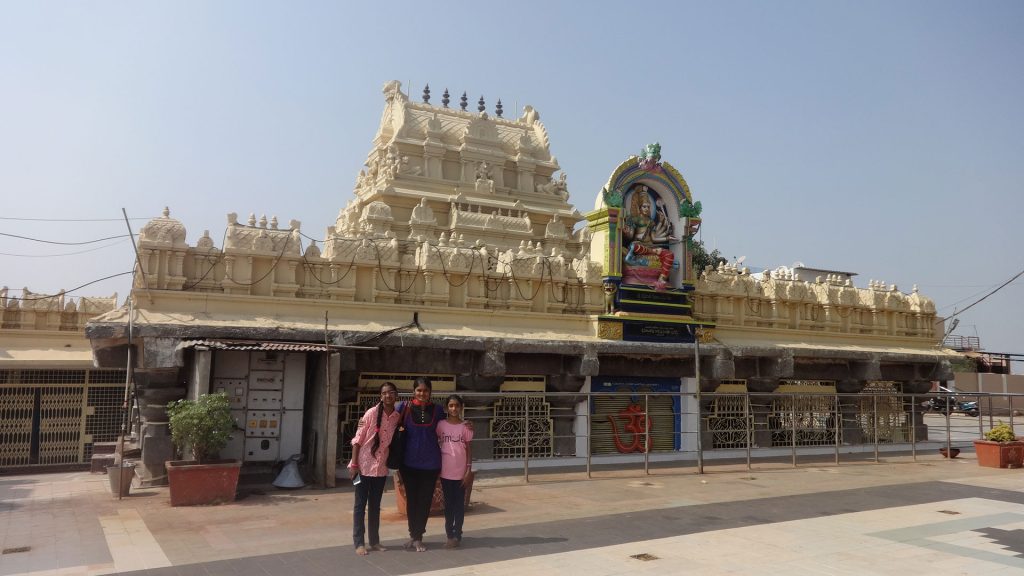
[883, 138]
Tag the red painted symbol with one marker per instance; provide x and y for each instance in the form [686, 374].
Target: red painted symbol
[635, 423]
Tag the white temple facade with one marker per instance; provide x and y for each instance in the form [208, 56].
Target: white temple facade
[459, 257]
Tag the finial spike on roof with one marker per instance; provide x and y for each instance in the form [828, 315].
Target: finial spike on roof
[497, 109]
[444, 98]
[463, 102]
[480, 107]
[426, 94]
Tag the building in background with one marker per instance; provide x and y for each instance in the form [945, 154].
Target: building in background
[460, 258]
[54, 405]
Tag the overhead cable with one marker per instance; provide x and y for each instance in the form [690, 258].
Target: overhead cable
[67, 219]
[980, 300]
[64, 243]
[71, 290]
[121, 241]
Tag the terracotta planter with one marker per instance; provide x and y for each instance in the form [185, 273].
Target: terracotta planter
[194, 484]
[999, 454]
[436, 503]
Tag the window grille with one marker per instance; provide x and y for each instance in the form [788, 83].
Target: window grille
[810, 414]
[521, 416]
[881, 411]
[522, 424]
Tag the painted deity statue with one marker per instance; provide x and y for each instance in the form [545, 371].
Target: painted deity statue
[647, 232]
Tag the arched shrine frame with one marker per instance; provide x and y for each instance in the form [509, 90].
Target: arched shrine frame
[664, 179]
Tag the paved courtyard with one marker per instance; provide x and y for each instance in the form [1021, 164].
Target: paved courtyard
[932, 516]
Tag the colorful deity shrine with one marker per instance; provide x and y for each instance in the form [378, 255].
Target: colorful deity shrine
[644, 223]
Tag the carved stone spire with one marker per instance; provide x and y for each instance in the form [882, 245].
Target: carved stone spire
[480, 106]
[463, 102]
[426, 94]
[497, 109]
[444, 98]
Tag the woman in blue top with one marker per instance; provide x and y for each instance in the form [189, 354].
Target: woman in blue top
[422, 463]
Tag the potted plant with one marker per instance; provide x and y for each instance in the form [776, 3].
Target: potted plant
[202, 428]
[1000, 448]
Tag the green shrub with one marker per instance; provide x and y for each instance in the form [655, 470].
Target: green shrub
[202, 426]
[1001, 433]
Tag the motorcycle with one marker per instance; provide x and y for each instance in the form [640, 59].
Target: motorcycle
[952, 404]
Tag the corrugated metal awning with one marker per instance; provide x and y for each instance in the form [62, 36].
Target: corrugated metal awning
[263, 346]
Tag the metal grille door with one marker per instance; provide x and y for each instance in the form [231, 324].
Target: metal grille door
[53, 417]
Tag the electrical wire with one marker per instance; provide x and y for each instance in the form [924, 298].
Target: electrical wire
[64, 243]
[71, 290]
[982, 299]
[68, 219]
[121, 241]
[970, 296]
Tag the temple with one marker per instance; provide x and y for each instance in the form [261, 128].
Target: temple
[460, 258]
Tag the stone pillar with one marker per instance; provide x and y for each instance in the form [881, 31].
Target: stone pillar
[761, 409]
[200, 382]
[156, 450]
[911, 388]
[848, 409]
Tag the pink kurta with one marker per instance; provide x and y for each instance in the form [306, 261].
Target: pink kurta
[370, 465]
[453, 439]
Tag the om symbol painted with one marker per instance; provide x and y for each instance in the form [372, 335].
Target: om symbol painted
[637, 423]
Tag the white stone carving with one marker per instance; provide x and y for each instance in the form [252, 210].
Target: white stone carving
[555, 228]
[164, 231]
[261, 238]
[557, 187]
[205, 243]
[422, 213]
[376, 219]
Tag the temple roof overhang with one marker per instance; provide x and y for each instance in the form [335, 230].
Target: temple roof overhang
[187, 316]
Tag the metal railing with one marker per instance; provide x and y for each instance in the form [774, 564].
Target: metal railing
[631, 429]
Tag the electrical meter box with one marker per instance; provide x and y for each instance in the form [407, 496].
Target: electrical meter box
[266, 380]
[266, 390]
[266, 361]
[263, 424]
[236, 390]
[262, 450]
[264, 400]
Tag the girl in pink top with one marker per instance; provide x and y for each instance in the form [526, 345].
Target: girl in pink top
[453, 436]
[368, 467]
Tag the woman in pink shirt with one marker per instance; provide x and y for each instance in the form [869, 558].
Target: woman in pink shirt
[453, 436]
[368, 467]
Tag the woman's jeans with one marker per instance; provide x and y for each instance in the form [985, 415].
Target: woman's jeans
[419, 491]
[454, 507]
[370, 490]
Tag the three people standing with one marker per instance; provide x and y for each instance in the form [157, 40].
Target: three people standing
[428, 429]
